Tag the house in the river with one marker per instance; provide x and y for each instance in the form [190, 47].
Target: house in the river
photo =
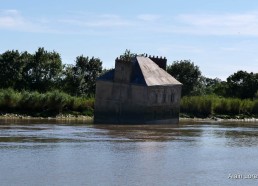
[139, 91]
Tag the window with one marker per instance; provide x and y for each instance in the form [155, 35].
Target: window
[172, 98]
[164, 98]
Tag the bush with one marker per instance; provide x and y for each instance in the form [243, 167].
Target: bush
[255, 108]
[57, 100]
[9, 99]
[48, 104]
[203, 106]
[197, 105]
[246, 107]
[32, 101]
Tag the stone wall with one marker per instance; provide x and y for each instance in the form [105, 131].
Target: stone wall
[125, 103]
[119, 102]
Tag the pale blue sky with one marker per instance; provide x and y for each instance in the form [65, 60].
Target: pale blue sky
[220, 36]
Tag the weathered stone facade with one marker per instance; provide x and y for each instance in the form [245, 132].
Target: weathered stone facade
[138, 92]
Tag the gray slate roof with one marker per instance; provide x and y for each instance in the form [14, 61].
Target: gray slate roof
[153, 74]
[146, 72]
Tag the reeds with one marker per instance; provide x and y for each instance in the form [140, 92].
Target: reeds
[197, 106]
[50, 103]
[204, 106]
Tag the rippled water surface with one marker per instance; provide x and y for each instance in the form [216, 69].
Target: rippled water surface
[49, 153]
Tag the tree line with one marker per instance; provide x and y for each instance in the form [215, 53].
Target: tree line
[44, 71]
[205, 97]
[241, 84]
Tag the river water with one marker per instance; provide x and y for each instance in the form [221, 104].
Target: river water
[50, 153]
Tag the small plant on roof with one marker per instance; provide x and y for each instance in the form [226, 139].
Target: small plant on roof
[127, 56]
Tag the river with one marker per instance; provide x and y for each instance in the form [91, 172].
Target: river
[62, 153]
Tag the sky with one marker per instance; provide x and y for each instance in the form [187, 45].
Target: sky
[219, 36]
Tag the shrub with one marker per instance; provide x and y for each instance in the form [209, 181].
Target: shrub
[32, 101]
[47, 104]
[9, 99]
[197, 105]
[246, 107]
[255, 108]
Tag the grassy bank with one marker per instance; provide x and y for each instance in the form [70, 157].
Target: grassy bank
[214, 106]
[61, 105]
[49, 104]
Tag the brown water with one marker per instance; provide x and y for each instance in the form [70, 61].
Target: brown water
[43, 153]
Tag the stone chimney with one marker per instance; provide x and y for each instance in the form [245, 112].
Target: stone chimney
[123, 71]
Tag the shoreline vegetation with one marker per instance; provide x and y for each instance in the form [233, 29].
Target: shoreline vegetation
[57, 105]
[52, 104]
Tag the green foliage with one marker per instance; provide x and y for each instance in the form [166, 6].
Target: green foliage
[187, 73]
[228, 106]
[10, 68]
[57, 100]
[204, 106]
[31, 72]
[127, 56]
[47, 104]
[255, 108]
[197, 106]
[81, 78]
[247, 106]
[32, 101]
[38, 76]
[44, 70]
[242, 85]
[9, 99]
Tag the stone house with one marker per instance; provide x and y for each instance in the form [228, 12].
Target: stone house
[138, 92]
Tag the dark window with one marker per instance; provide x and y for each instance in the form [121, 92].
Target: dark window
[164, 98]
[172, 98]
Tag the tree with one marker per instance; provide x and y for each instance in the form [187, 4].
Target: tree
[205, 86]
[221, 88]
[10, 69]
[24, 83]
[81, 78]
[43, 70]
[242, 85]
[187, 73]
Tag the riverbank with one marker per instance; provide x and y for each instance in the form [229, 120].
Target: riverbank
[58, 117]
[217, 120]
[89, 119]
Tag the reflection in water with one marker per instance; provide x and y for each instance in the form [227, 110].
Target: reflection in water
[150, 132]
[52, 153]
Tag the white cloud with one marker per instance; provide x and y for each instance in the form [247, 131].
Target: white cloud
[245, 24]
[104, 20]
[14, 20]
[10, 19]
[213, 24]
